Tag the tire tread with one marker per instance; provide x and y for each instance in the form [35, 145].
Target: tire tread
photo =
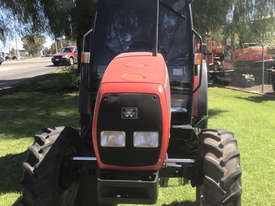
[221, 168]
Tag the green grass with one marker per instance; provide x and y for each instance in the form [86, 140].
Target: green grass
[41, 103]
[21, 116]
[63, 80]
[251, 117]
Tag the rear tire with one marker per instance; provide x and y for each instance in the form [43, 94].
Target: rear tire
[221, 185]
[48, 180]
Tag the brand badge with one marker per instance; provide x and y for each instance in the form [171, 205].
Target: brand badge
[129, 113]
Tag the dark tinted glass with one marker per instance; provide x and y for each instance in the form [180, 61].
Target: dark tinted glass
[175, 35]
[66, 50]
[123, 26]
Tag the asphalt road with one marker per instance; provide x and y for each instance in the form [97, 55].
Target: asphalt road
[12, 72]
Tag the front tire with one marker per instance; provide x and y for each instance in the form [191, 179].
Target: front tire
[48, 181]
[221, 185]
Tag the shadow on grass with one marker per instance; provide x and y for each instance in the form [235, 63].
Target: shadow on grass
[11, 172]
[258, 98]
[26, 113]
[215, 112]
[184, 203]
[27, 108]
[66, 80]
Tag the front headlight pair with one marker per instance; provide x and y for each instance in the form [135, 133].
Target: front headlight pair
[140, 139]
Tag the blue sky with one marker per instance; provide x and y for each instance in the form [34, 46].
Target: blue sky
[13, 24]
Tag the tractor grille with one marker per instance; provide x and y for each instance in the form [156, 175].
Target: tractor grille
[148, 118]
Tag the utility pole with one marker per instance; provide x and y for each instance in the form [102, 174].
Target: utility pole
[15, 32]
[263, 69]
[61, 44]
[56, 49]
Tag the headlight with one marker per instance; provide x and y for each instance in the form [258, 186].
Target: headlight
[66, 57]
[146, 139]
[112, 138]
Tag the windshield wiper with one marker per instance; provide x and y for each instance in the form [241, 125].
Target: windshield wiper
[173, 10]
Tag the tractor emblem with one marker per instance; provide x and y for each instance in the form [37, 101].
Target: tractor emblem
[129, 113]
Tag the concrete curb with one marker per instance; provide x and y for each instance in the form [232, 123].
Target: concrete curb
[244, 90]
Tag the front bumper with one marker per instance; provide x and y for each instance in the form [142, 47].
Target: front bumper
[60, 61]
[128, 188]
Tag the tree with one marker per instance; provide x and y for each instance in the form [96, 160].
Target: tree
[12, 52]
[49, 16]
[33, 43]
[227, 18]
[210, 16]
[251, 21]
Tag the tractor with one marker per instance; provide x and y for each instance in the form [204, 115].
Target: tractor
[248, 61]
[143, 117]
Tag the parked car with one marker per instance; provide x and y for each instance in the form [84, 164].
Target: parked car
[66, 56]
[1, 60]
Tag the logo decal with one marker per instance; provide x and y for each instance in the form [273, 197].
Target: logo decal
[129, 113]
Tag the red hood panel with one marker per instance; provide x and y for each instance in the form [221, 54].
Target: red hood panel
[136, 67]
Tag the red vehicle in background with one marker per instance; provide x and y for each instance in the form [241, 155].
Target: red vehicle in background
[249, 60]
[215, 55]
[66, 56]
[250, 53]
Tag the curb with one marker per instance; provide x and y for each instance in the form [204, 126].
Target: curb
[244, 90]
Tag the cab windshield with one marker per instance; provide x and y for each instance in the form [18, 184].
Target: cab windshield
[125, 26]
[66, 50]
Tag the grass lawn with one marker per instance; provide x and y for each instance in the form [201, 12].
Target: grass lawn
[23, 114]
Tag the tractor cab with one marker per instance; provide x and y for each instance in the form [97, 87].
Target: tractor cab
[143, 89]
[131, 26]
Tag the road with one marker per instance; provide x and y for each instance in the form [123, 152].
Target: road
[15, 71]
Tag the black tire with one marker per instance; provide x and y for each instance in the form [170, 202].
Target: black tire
[163, 181]
[48, 181]
[221, 185]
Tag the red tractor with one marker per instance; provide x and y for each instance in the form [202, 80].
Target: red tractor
[215, 56]
[249, 60]
[143, 117]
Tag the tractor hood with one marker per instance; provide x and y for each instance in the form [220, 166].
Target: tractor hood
[139, 67]
[134, 97]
